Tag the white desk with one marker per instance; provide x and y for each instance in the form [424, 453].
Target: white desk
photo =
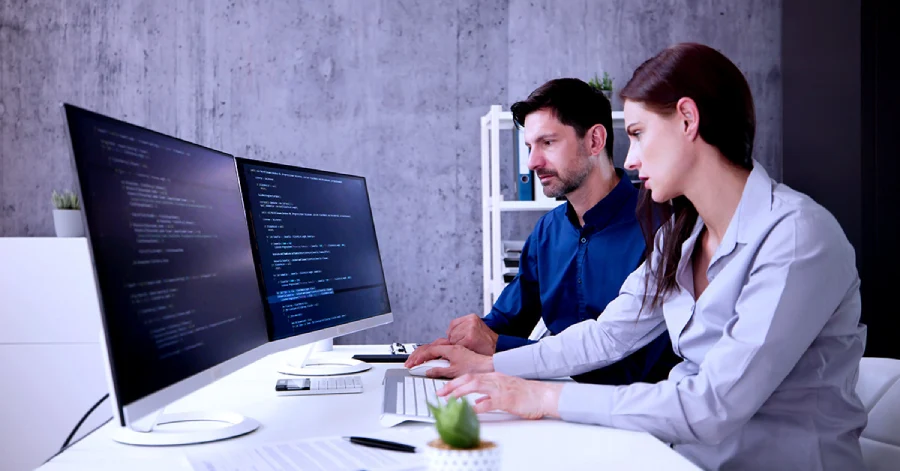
[49, 336]
[542, 444]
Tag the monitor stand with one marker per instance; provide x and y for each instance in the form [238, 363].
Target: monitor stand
[234, 425]
[321, 365]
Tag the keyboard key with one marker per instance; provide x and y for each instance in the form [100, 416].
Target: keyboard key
[430, 395]
[399, 407]
[438, 385]
[409, 396]
[421, 407]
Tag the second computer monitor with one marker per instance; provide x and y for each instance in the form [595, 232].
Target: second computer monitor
[317, 256]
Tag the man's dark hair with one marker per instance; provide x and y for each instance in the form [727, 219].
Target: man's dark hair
[574, 103]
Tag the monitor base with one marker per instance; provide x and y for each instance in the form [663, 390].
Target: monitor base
[324, 367]
[323, 364]
[236, 425]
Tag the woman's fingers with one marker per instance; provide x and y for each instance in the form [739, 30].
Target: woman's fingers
[484, 404]
[460, 386]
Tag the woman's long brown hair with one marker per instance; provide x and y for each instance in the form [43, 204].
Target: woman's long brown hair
[727, 122]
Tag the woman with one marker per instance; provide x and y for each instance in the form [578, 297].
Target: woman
[755, 282]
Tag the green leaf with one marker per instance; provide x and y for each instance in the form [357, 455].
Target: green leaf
[65, 200]
[604, 83]
[457, 423]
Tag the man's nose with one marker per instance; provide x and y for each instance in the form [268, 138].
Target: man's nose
[535, 160]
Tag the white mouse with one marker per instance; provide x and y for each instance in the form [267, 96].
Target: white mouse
[420, 370]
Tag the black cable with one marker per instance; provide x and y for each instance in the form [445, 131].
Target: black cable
[83, 418]
[80, 439]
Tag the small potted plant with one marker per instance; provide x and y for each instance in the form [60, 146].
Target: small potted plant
[605, 85]
[67, 215]
[460, 447]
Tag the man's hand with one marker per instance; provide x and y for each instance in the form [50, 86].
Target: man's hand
[471, 332]
[527, 399]
[421, 353]
[461, 360]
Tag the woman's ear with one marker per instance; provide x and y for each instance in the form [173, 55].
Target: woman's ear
[595, 139]
[687, 112]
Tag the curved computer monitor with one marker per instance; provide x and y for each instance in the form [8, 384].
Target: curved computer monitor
[317, 258]
[179, 296]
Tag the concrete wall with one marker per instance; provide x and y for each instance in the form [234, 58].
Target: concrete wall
[580, 38]
[391, 90]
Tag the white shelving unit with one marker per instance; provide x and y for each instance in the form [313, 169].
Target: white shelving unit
[493, 204]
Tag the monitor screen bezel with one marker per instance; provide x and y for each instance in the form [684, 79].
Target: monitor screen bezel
[240, 162]
[128, 413]
[142, 413]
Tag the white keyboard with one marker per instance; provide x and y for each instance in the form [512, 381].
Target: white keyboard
[309, 386]
[414, 394]
[406, 397]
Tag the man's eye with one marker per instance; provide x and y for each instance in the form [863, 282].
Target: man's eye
[547, 143]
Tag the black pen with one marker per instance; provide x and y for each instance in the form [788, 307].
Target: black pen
[384, 445]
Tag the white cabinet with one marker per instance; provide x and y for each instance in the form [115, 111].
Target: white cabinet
[50, 356]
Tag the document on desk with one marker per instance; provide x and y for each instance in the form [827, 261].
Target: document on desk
[316, 454]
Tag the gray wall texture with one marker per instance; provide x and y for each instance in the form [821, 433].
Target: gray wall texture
[580, 38]
[391, 90]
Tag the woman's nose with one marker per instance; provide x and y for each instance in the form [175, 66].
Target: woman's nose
[632, 162]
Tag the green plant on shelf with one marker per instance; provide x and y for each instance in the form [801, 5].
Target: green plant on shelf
[603, 84]
[65, 200]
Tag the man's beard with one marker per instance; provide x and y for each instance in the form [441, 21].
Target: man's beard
[570, 182]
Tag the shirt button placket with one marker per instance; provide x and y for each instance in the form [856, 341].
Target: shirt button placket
[580, 288]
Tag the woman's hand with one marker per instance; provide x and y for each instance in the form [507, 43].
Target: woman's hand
[528, 399]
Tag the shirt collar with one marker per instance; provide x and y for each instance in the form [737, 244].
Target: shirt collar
[605, 211]
[755, 199]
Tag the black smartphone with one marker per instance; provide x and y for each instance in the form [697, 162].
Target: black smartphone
[385, 358]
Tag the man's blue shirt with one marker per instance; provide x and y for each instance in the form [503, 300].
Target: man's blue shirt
[568, 274]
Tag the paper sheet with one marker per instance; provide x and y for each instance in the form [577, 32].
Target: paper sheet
[317, 454]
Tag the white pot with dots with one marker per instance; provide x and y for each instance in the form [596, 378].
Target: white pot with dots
[442, 457]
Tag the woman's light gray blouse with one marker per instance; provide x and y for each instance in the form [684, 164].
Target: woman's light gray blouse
[771, 348]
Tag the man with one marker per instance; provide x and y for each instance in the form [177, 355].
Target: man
[579, 254]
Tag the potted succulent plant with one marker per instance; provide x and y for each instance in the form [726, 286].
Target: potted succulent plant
[460, 447]
[67, 215]
[605, 85]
